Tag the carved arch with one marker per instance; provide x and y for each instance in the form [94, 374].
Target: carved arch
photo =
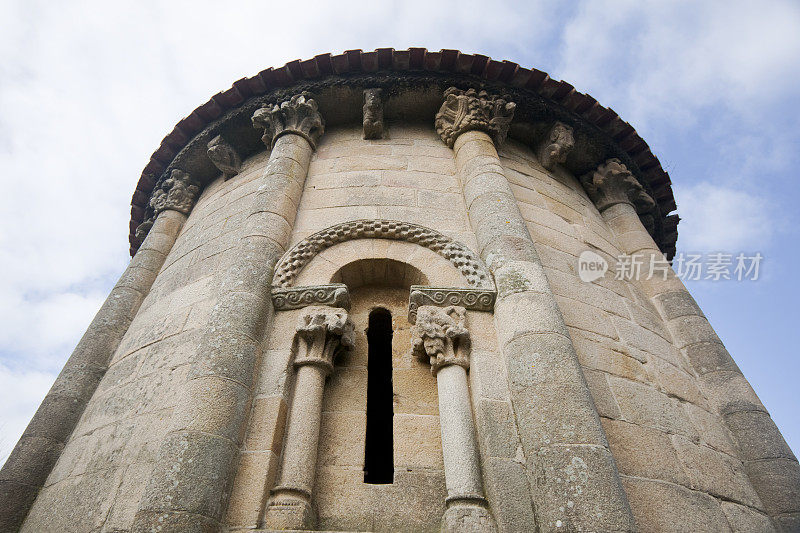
[464, 259]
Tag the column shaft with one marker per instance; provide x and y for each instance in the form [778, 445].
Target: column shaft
[769, 462]
[37, 451]
[558, 423]
[191, 479]
[302, 433]
[459, 442]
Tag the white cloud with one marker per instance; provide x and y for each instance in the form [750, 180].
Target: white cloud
[20, 395]
[664, 60]
[718, 218]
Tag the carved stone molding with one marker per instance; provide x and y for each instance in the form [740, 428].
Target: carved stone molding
[373, 113]
[464, 259]
[298, 115]
[472, 299]
[322, 333]
[440, 336]
[612, 183]
[334, 295]
[178, 192]
[224, 157]
[472, 110]
[556, 146]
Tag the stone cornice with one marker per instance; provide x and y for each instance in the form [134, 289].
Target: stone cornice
[538, 97]
[474, 299]
[288, 298]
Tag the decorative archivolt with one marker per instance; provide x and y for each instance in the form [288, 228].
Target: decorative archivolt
[464, 259]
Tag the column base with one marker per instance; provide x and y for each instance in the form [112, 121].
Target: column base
[289, 508]
[468, 513]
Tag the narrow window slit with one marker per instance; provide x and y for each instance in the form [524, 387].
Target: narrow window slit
[378, 449]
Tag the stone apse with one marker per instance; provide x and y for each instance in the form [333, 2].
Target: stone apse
[353, 305]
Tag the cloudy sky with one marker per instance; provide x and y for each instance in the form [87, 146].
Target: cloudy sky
[88, 90]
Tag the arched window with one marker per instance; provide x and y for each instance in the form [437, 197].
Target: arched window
[378, 448]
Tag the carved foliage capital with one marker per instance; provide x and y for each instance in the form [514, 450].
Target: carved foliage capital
[440, 336]
[556, 146]
[178, 192]
[322, 333]
[299, 115]
[472, 110]
[224, 157]
[612, 183]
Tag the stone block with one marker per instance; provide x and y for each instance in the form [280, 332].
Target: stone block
[496, 428]
[414, 391]
[645, 406]
[267, 424]
[417, 442]
[20, 498]
[729, 392]
[641, 338]
[570, 286]
[708, 357]
[660, 506]
[712, 431]
[676, 382]
[256, 474]
[487, 376]
[644, 452]
[549, 394]
[513, 277]
[526, 313]
[124, 508]
[341, 439]
[715, 473]
[527, 195]
[604, 400]
[585, 317]
[758, 436]
[80, 503]
[778, 482]
[191, 475]
[744, 519]
[509, 495]
[346, 389]
[598, 353]
[578, 490]
[691, 329]
[677, 304]
[342, 500]
[414, 502]
[421, 181]
[220, 407]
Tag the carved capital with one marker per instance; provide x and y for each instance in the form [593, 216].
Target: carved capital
[474, 299]
[472, 110]
[224, 157]
[298, 115]
[334, 295]
[322, 333]
[373, 113]
[178, 192]
[556, 146]
[612, 183]
[440, 336]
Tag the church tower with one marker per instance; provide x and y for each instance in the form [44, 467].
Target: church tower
[376, 292]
